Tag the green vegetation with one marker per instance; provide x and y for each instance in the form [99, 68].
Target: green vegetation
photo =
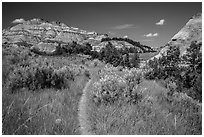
[144, 48]
[118, 57]
[125, 104]
[48, 111]
[108, 54]
[40, 94]
[185, 71]
[49, 94]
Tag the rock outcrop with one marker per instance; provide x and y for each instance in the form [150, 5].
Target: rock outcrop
[192, 31]
[45, 36]
[36, 30]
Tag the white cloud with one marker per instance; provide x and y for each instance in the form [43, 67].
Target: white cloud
[151, 35]
[155, 34]
[148, 35]
[21, 20]
[124, 26]
[161, 22]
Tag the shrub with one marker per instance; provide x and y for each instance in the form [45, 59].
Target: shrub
[112, 89]
[39, 75]
[13, 56]
[128, 105]
[16, 55]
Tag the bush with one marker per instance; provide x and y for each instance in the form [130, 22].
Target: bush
[13, 56]
[39, 75]
[111, 89]
[128, 105]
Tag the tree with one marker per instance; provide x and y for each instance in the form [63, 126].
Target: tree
[193, 73]
[87, 49]
[171, 61]
[167, 65]
[193, 57]
[135, 60]
[188, 79]
[126, 60]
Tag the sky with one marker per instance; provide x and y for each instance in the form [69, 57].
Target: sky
[150, 23]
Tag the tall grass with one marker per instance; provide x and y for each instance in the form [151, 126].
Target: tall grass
[40, 95]
[47, 112]
[124, 106]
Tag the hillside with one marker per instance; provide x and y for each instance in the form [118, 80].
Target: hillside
[126, 42]
[192, 31]
[46, 36]
[36, 30]
[40, 33]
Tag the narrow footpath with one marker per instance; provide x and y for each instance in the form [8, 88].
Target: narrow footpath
[82, 103]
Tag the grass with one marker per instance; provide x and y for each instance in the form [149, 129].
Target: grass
[45, 110]
[147, 109]
[48, 111]
[155, 113]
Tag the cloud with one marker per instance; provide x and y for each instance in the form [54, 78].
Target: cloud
[148, 35]
[124, 26]
[21, 20]
[151, 35]
[161, 22]
[155, 35]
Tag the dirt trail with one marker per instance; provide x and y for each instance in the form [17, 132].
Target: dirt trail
[82, 113]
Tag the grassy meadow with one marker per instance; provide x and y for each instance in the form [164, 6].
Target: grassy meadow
[30, 108]
[75, 95]
[49, 111]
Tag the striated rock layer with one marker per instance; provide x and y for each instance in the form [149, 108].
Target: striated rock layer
[46, 36]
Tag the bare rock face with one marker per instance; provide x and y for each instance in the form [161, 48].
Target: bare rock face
[192, 31]
[37, 30]
[45, 36]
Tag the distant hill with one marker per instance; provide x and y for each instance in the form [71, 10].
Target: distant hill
[37, 30]
[120, 42]
[46, 35]
[192, 31]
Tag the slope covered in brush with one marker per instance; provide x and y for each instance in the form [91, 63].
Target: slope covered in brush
[140, 48]
[123, 103]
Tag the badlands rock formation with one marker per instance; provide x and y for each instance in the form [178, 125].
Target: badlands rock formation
[45, 36]
[192, 31]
